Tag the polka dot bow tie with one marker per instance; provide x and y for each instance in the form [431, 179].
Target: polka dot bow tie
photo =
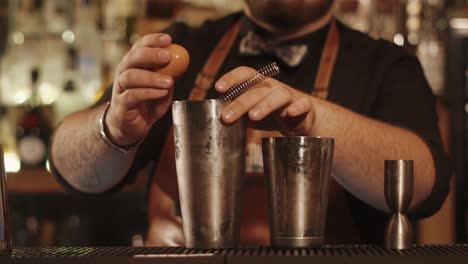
[253, 45]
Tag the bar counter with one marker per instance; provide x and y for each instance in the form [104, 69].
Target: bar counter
[175, 255]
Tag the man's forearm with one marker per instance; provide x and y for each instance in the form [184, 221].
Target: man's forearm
[361, 146]
[83, 158]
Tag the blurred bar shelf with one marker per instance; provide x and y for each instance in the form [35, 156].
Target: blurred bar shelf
[33, 180]
[37, 180]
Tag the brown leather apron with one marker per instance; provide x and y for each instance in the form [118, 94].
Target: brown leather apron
[254, 226]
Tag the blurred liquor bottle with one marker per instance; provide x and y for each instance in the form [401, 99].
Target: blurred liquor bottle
[57, 23]
[22, 51]
[33, 130]
[71, 99]
[7, 132]
[39, 35]
[3, 25]
[457, 8]
[385, 19]
[431, 47]
[88, 43]
[355, 13]
[8, 140]
[158, 15]
[118, 33]
[413, 16]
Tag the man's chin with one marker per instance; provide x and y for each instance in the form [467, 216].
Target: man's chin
[285, 24]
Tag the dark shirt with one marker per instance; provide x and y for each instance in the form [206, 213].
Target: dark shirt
[374, 78]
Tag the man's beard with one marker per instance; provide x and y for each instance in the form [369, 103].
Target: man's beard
[286, 18]
[285, 21]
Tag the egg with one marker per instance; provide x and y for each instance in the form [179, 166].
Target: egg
[179, 62]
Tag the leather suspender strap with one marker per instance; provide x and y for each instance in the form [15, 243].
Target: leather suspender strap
[327, 62]
[206, 77]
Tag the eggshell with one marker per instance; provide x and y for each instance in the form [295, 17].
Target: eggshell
[179, 62]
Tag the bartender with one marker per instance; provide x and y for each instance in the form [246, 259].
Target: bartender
[370, 95]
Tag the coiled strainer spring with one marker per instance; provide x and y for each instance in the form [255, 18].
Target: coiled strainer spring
[260, 75]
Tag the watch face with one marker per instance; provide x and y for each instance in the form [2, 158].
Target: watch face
[32, 150]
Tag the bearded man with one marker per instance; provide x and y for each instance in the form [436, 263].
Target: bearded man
[370, 95]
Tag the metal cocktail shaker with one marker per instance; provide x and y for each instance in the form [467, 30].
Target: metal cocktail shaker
[5, 225]
[297, 173]
[210, 162]
[398, 194]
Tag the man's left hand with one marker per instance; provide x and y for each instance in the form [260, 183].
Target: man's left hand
[271, 104]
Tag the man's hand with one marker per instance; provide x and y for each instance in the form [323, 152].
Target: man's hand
[165, 232]
[140, 95]
[270, 104]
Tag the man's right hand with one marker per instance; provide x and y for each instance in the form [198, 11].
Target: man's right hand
[140, 95]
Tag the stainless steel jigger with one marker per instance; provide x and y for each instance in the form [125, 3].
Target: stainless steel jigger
[5, 225]
[398, 194]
